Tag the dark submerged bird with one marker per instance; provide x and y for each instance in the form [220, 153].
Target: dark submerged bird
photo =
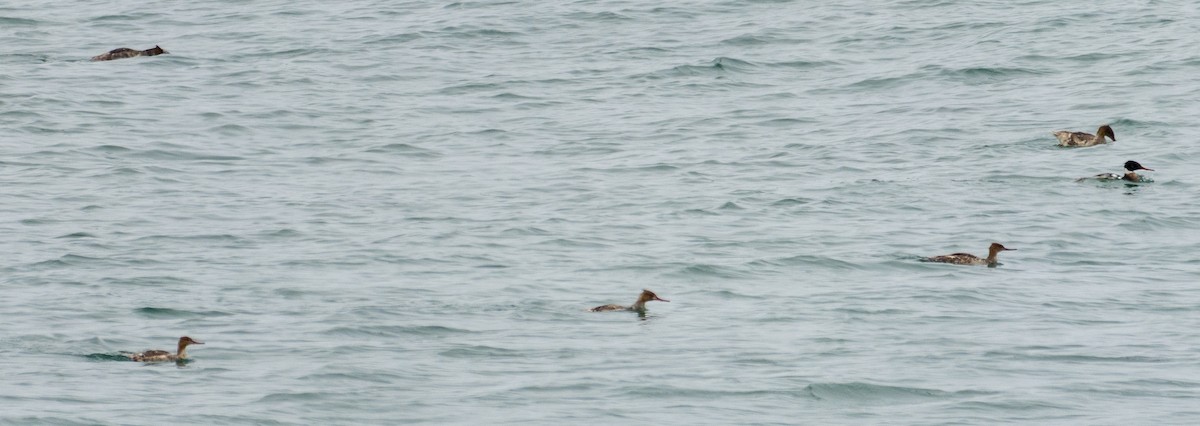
[970, 259]
[1129, 175]
[638, 306]
[161, 355]
[1075, 139]
[126, 52]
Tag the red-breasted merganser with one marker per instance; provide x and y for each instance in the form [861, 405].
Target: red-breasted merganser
[1067, 138]
[639, 306]
[1129, 175]
[126, 52]
[159, 355]
[970, 259]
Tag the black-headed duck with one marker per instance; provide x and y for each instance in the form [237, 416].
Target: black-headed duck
[1129, 175]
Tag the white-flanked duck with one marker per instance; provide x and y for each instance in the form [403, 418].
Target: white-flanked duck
[161, 355]
[1068, 138]
[970, 259]
[638, 306]
[1129, 175]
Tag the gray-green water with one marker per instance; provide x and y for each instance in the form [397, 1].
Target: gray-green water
[397, 212]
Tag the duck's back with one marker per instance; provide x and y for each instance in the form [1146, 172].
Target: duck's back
[119, 53]
[609, 308]
[1066, 138]
[958, 259]
[154, 355]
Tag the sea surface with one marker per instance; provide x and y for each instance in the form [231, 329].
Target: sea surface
[398, 212]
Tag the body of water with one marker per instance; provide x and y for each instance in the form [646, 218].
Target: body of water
[379, 212]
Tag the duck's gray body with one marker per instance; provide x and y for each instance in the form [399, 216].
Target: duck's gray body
[126, 52]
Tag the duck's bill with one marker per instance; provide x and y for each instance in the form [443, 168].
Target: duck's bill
[661, 299]
[197, 342]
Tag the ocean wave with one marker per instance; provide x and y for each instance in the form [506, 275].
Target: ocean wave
[396, 331]
[867, 393]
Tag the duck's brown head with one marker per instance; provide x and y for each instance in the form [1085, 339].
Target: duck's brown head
[155, 51]
[997, 247]
[184, 341]
[648, 295]
[1105, 130]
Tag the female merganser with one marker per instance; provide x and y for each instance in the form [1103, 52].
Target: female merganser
[1066, 138]
[1130, 167]
[126, 52]
[160, 356]
[639, 306]
[970, 259]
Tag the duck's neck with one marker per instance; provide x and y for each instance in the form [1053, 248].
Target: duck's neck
[991, 259]
[182, 352]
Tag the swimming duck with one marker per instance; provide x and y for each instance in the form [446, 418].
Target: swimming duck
[160, 355]
[970, 259]
[639, 306]
[126, 52]
[1067, 138]
[1129, 175]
